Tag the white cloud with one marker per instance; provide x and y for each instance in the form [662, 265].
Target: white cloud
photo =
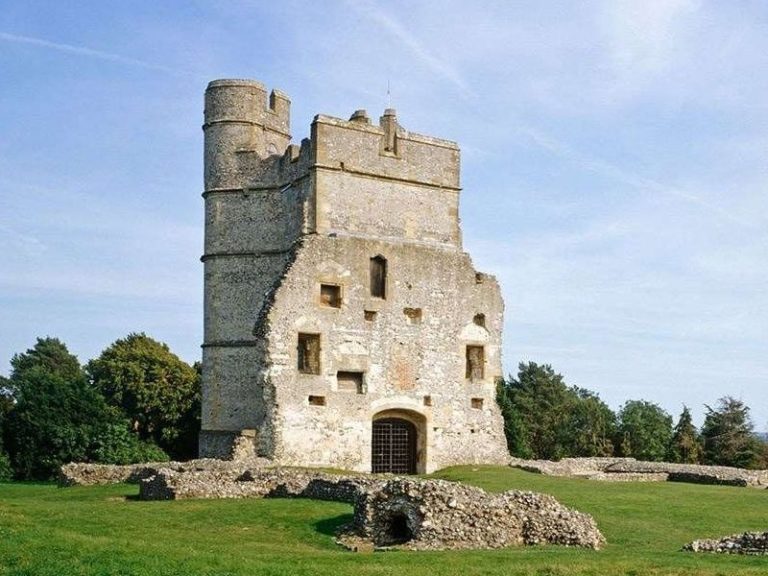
[89, 53]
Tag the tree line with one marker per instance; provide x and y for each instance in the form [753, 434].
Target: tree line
[546, 419]
[139, 402]
[136, 402]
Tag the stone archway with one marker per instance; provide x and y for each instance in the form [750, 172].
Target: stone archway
[398, 442]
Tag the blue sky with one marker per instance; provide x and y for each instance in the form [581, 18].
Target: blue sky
[615, 168]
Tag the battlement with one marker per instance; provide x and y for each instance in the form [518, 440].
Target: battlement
[247, 101]
[343, 179]
[384, 151]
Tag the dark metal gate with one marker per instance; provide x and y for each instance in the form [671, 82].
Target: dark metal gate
[393, 446]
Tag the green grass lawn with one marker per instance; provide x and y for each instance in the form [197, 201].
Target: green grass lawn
[46, 530]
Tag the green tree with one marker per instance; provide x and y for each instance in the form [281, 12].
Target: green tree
[157, 391]
[728, 434]
[685, 446]
[591, 425]
[6, 404]
[538, 396]
[514, 427]
[56, 412]
[644, 430]
[544, 418]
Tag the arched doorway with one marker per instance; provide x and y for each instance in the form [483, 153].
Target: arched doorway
[394, 446]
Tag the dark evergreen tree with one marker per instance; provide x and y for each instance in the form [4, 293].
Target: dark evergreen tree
[544, 418]
[685, 446]
[591, 425]
[56, 412]
[728, 435]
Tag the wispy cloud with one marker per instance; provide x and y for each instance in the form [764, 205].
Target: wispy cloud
[440, 67]
[90, 53]
[617, 174]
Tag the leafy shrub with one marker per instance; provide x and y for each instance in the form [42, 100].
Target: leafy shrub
[114, 443]
[6, 472]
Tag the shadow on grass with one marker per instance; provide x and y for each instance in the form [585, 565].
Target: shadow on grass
[329, 526]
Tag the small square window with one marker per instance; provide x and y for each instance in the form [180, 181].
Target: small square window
[317, 400]
[475, 363]
[370, 315]
[479, 320]
[309, 353]
[330, 295]
[427, 400]
[477, 404]
[349, 382]
[413, 315]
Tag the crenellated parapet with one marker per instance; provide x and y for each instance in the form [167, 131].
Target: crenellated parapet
[384, 151]
[243, 126]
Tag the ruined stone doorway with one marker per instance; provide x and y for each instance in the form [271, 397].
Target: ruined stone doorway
[393, 446]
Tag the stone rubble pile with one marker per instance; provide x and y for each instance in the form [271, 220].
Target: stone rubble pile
[629, 469]
[438, 515]
[752, 543]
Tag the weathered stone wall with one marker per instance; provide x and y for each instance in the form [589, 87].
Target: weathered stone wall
[403, 362]
[85, 474]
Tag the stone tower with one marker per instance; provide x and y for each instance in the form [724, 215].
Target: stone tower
[344, 325]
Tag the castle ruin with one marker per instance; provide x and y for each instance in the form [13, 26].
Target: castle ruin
[344, 325]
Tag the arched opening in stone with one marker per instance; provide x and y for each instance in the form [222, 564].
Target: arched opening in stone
[398, 531]
[398, 442]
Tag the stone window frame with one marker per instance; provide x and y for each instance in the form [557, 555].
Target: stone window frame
[473, 372]
[305, 367]
[339, 295]
[316, 400]
[361, 383]
[378, 286]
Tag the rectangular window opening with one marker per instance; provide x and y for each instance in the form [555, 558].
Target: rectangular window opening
[309, 353]
[317, 400]
[477, 404]
[350, 382]
[475, 363]
[370, 315]
[330, 295]
[427, 400]
[379, 277]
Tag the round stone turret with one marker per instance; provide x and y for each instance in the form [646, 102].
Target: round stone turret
[242, 126]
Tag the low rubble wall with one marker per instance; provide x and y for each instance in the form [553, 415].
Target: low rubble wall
[629, 469]
[85, 474]
[170, 484]
[751, 543]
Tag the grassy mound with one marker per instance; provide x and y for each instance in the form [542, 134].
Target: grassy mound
[45, 530]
